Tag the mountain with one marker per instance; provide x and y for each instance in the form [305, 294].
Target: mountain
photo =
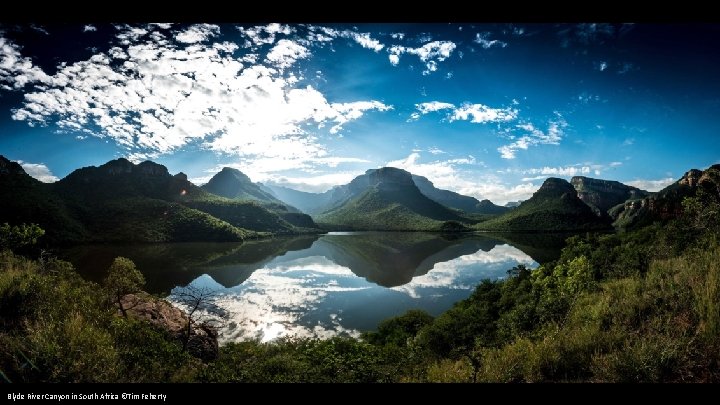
[454, 200]
[149, 186]
[601, 195]
[234, 184]
[120, 201]
[388, 199]
[554, 207]
[317, 203]
[394, 259]
[666, 203]
[311, 203]
[25, 199]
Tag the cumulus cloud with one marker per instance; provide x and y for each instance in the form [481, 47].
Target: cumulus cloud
[152, 96]
[38, 171]
[453, 175]
[89, 28]
[534, 136]
[484, 40]
[431, 53]
[479, 114]
[264, 34]
[198, 33]
[366, 41]
[651, 185]
[475, 113]
[286, 53]
[17, 71]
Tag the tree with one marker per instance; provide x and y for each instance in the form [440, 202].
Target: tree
[17, 236]
[122, 279]
[197, 301]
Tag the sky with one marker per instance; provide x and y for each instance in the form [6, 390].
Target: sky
[486, 110]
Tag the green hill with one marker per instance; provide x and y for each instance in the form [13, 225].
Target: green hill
[554, 207]
[123, 202]
[388, 199]
[234, 184]
[26, 200]
[318, 203]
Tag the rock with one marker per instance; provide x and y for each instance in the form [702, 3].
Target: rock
[203, 342]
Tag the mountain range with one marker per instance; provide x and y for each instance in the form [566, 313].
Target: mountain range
[123, 201]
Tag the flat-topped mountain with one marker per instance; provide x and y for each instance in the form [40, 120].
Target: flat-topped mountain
[667, 203]
[387, 199]
[601, 195]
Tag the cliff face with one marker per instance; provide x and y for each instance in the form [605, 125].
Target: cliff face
[555, 206]
[602, 195]
[667, 203]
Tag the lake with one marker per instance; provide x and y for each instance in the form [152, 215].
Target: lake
[325, 285]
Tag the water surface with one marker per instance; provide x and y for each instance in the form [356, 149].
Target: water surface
[339, 283]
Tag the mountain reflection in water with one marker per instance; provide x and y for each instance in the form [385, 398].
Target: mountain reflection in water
[339, 283]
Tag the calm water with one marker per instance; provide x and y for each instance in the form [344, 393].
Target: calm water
[339, 283]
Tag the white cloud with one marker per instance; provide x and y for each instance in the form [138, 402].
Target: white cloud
[498, 192]
[17, 71]
[475, 113]
[479, 114]
[152, 97]
[259, 35]
[615, 164]
[198, 33]
[314, 184]
[560, 171]
[89, 28]
[286, 53]
[38, 171]
[651, 185]
[425, 108]
[366, 41]
[628, 142]
[450, 175]
[436, 151]
[430, 53]
[485, 42]
[534, 137]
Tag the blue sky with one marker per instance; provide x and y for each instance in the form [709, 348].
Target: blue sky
[488, 110]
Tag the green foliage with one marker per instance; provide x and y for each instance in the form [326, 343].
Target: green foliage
[123, 278]
[639, 306]
[17, 236]
[399, 331]
[243, 214]
[378, 209]
[555, 207]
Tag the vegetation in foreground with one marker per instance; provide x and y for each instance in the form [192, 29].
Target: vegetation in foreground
[637, 306]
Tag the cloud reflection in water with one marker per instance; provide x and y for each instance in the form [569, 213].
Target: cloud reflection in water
[306, 294]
